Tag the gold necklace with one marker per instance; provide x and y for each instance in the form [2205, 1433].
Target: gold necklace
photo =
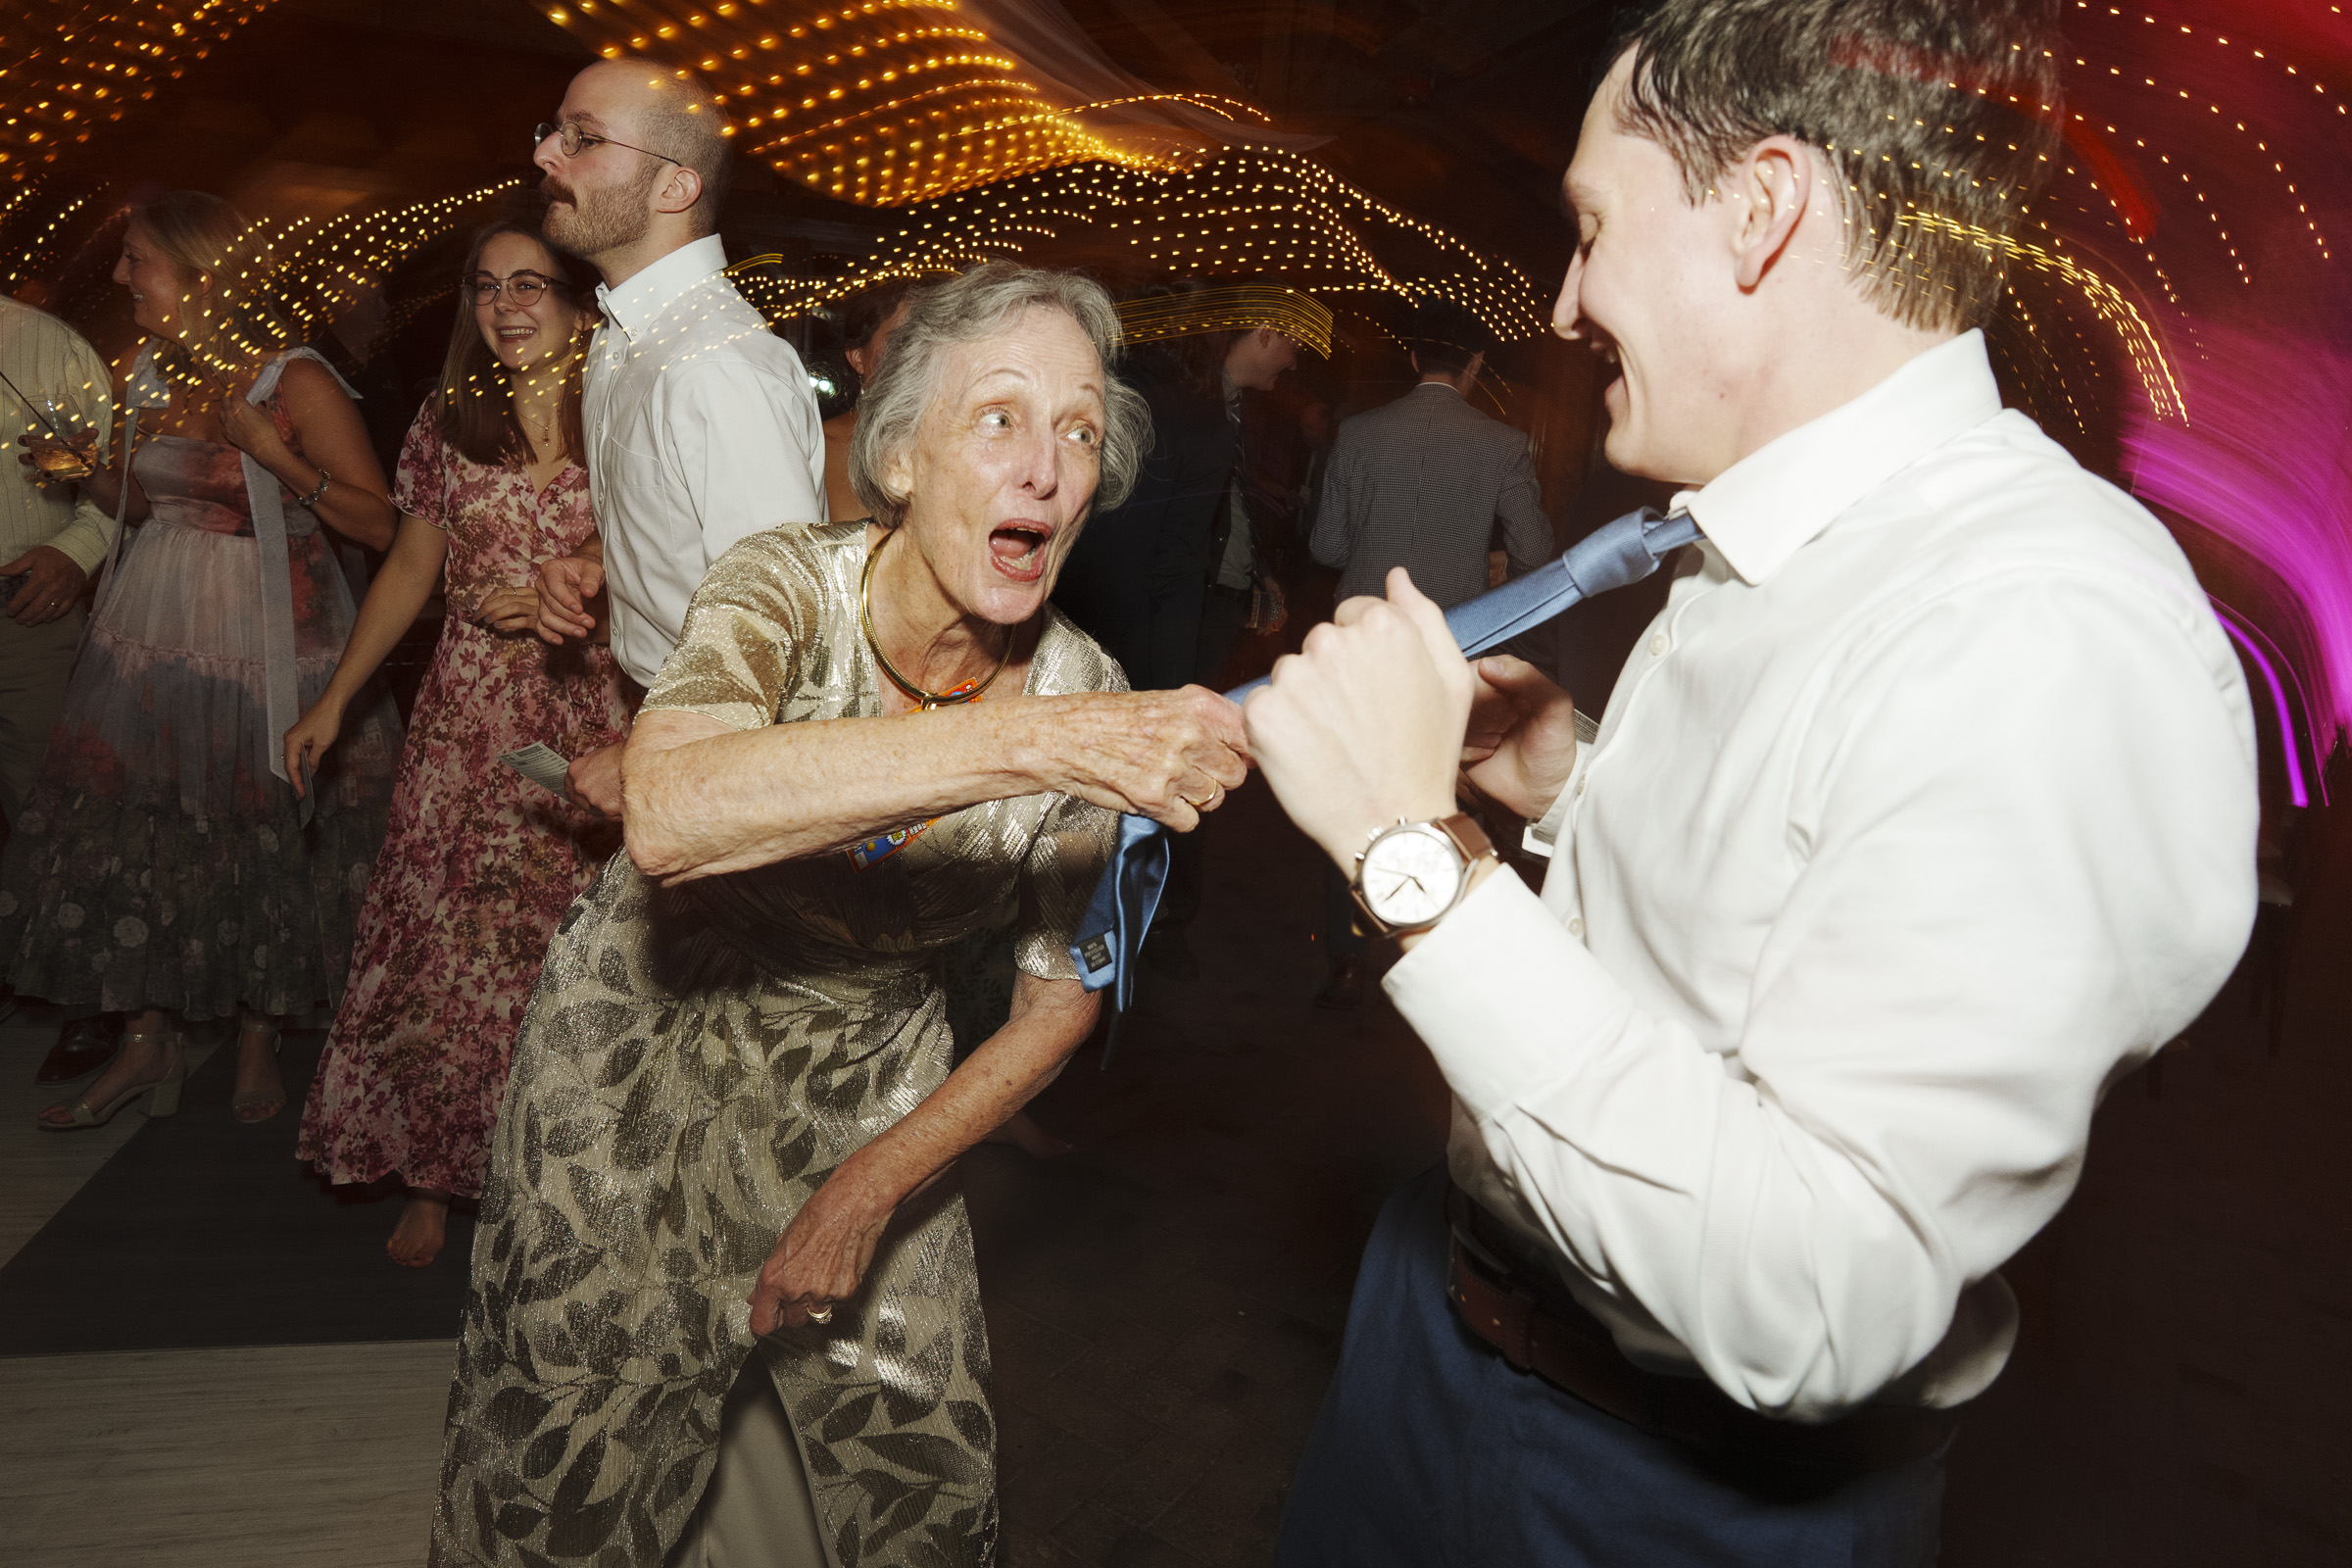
[968, 692]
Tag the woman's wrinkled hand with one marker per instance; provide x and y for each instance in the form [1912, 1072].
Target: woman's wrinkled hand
[1168, 756]
[510, 610]
[821, 1258]
[307, 740]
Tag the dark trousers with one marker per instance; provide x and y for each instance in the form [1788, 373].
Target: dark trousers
[1431, 1449]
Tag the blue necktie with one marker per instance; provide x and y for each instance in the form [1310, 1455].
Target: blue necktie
[1120, 913]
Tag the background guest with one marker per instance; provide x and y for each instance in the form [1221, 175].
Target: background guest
[161, 864]
[1928, 812]
[1424, 483]
[478, 864]
[53, 539]
[867, 324]
[701, 426]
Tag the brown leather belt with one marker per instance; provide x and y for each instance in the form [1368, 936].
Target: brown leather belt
[1539, 1328]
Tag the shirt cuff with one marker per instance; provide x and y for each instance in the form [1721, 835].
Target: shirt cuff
[1543, 835]
[85, 540]
[1503, 997]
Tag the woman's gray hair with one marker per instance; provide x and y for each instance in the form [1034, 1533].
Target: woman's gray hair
[964, 310]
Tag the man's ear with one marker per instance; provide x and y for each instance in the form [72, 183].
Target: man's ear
[681, 190]
[1416, 358]
[1769, 191]
[1476, 367]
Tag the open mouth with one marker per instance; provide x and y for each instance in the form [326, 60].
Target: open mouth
[517, 336]
[1605, 349]
[1018, 550]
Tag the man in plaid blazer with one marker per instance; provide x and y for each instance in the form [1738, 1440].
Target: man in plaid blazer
[1421, 482]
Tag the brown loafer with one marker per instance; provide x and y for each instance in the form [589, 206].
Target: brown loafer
[83, 1047]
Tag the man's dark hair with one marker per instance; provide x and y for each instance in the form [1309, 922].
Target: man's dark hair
[691, 126]
[1939, 116]
[1444, 337]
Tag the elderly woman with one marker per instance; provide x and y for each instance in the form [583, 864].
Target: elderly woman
[731, 1107]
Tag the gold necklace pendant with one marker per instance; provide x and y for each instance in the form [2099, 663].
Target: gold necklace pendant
[925, 700]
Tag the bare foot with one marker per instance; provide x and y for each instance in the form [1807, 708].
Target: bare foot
[422, 1230]
[1025, 1135]
[261, 1092]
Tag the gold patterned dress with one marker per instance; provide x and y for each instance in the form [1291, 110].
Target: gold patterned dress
[695, 1062]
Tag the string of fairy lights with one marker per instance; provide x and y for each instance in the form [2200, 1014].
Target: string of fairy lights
[70, 69]
[282, 282]
[906, 104]
[885, 102]
[1256, 211]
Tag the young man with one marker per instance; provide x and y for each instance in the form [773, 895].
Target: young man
[1925, 812]
[701, 425]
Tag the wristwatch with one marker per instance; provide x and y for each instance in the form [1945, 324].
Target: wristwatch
[1410, 876]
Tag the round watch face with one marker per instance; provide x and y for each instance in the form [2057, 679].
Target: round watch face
[1410, 877]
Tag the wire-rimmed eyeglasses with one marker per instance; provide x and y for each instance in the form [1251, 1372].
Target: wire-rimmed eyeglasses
[575, 141]
[526, 287]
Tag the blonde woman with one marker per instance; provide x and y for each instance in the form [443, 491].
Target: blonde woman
[479, 863]
[162, 865]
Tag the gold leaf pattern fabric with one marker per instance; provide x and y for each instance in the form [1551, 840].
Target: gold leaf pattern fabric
[696, 1062]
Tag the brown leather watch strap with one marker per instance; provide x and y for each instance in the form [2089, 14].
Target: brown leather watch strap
[1468, 837]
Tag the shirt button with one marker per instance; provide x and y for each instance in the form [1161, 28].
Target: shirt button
[1658, 646]
[1576, 928]
[1580, 787]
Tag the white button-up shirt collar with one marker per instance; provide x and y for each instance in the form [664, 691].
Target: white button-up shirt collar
[1772, 503]
[637, 301]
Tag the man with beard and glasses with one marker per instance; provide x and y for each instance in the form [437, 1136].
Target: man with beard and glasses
[701, 425]
[1923, 813]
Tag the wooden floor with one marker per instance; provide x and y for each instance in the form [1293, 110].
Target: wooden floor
[286, 1457]
[39, 1170]
[221, 1459]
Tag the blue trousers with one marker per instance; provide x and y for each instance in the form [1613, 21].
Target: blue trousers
[1432, 1449]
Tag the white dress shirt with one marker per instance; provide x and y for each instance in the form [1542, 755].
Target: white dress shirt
[702, 428]
[1924, 808]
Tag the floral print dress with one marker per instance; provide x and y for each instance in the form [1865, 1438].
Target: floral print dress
[698, 1060]
[478, 864]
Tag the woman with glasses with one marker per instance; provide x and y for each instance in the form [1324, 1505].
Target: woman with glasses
[479, 863]
[163, 867]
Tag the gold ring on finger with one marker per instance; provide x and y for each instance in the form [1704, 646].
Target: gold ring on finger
[821, 1314]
